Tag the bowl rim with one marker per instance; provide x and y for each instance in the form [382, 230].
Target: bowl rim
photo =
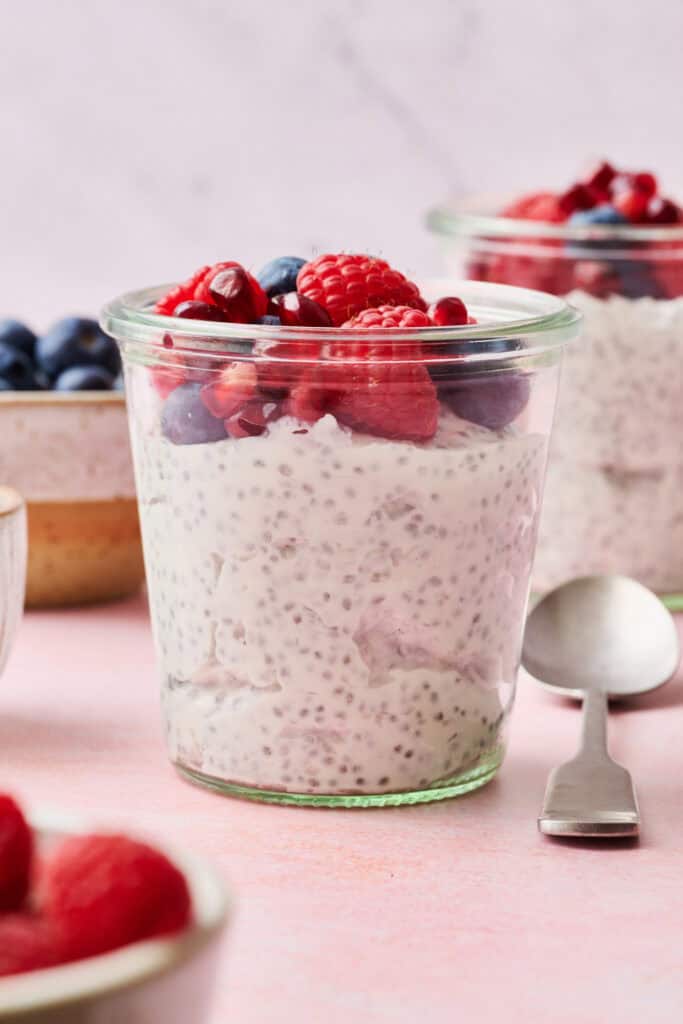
[62, 398]
[10, 501]
[132, 966]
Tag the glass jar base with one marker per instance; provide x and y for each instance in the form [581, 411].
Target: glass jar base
[457, 785]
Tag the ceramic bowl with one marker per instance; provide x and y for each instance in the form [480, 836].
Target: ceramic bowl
[166, 980]
[12, 567]
[68, 454]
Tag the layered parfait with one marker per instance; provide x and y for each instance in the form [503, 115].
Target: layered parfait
[612, 244]
[339, 486]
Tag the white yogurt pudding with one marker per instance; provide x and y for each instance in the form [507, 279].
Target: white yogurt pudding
[336, 613]
[614, 488]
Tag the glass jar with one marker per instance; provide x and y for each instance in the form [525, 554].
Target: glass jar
[614, 491]
[338, 530]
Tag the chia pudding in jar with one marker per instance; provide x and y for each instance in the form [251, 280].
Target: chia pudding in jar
[613, 246]
[339, 488]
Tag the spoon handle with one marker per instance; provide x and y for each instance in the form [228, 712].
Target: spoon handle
[594, 728]
[591, 795]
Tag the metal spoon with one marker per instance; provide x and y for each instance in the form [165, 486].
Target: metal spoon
[596, 638]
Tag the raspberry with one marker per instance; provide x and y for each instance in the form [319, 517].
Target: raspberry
[392, 400]
[396, 400]
[105, 891]
[16, 851]
[234, 386]
[27, 943]
[181, 293]
[344, 284]
[389, 316]
[543, 206]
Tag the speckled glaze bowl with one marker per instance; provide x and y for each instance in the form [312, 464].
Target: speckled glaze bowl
[68, 455]
[168, 979]
[12, 567]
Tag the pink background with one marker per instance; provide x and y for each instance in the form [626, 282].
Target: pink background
[454, 912]
[142, 139]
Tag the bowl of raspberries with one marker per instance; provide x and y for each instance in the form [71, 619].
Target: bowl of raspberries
[102, 925]
[65, 449]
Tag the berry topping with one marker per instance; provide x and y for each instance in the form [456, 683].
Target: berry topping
[16, 368]
[28, 943]
[105, 891]
[16, 851]
[191, 310]
[389, 316]
[181, 292]
[269, 320]
[18, 335]
[663, 211]
[603, 214]
[449, 312]
[84, 378]
[393, 400]
[578, 197]
[544, 206]
[487, 402]
[186, 420]
[296, 310]
[632, 204]
[279, 276]
[232, 388]
[76, 341]
[601, 178]
[344, 284]
[238, 294]
[168, 375]
[253, 418]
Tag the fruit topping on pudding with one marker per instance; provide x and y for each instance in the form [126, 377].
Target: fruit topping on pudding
[91, 894]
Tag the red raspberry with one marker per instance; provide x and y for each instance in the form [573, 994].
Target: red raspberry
[16, 852]
[389, 316]
[544, 206]
[346, 283]
[105, 891]
[282, 363]
[28, 943]
[396, 400]
[234, 386]
[181, 293]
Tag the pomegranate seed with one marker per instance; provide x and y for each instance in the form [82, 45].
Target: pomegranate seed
[234, 386]
[296, 310]
[199, 311]
[230, 289]
[578, 197]
[601, 178]
[663, 211]
[632, 204]
[252, 419]
[448, 312]
[644, 182]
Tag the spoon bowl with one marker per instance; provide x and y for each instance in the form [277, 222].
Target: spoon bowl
[607, 633]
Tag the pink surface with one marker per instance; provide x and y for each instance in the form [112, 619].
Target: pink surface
[451, 912]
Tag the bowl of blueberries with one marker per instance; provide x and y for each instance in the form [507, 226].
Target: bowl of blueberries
[64, 447]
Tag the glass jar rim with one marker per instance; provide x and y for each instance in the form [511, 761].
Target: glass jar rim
[477, 216]
[547, 320]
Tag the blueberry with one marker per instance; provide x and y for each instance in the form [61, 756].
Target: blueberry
[489, 402]
[446, 370]
[76, 341]
[18, 335]
[280, 275]
[604, 214]
[186, 420]
[269, 320]
[84, 378]
[17, 369]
